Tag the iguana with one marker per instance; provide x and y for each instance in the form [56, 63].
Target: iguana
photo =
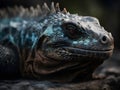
[49, 44]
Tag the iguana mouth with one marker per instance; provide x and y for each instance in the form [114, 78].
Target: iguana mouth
[76, 53]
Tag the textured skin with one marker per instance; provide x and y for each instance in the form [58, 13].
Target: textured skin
[9, 66]
[58, 46]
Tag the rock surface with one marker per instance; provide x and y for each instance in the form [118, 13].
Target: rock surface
[107, 84]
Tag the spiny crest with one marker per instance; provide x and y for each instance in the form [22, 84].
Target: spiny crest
[30, 12]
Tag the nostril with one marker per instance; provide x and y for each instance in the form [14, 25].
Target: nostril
[104, 39]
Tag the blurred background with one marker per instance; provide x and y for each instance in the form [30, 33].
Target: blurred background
[107, 11]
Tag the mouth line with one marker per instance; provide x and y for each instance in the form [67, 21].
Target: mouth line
[71, 53]
[76, 52]
[87, 50]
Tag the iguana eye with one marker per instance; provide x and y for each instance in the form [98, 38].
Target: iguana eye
[71, 30]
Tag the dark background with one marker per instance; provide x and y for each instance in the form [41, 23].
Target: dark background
[107, 11]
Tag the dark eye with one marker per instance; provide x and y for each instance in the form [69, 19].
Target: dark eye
[71, 30]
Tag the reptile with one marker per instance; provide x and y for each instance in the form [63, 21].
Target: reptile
[49, 44]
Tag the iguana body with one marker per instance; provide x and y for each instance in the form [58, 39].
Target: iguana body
[48, 44]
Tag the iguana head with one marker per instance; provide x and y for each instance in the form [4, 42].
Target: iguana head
[70, 46]
[73, 37]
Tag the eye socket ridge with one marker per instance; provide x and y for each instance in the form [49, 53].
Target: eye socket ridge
[72, 30]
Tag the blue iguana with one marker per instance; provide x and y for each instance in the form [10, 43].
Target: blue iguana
[49, 44]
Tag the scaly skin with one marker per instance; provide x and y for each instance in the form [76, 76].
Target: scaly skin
[58, 46]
